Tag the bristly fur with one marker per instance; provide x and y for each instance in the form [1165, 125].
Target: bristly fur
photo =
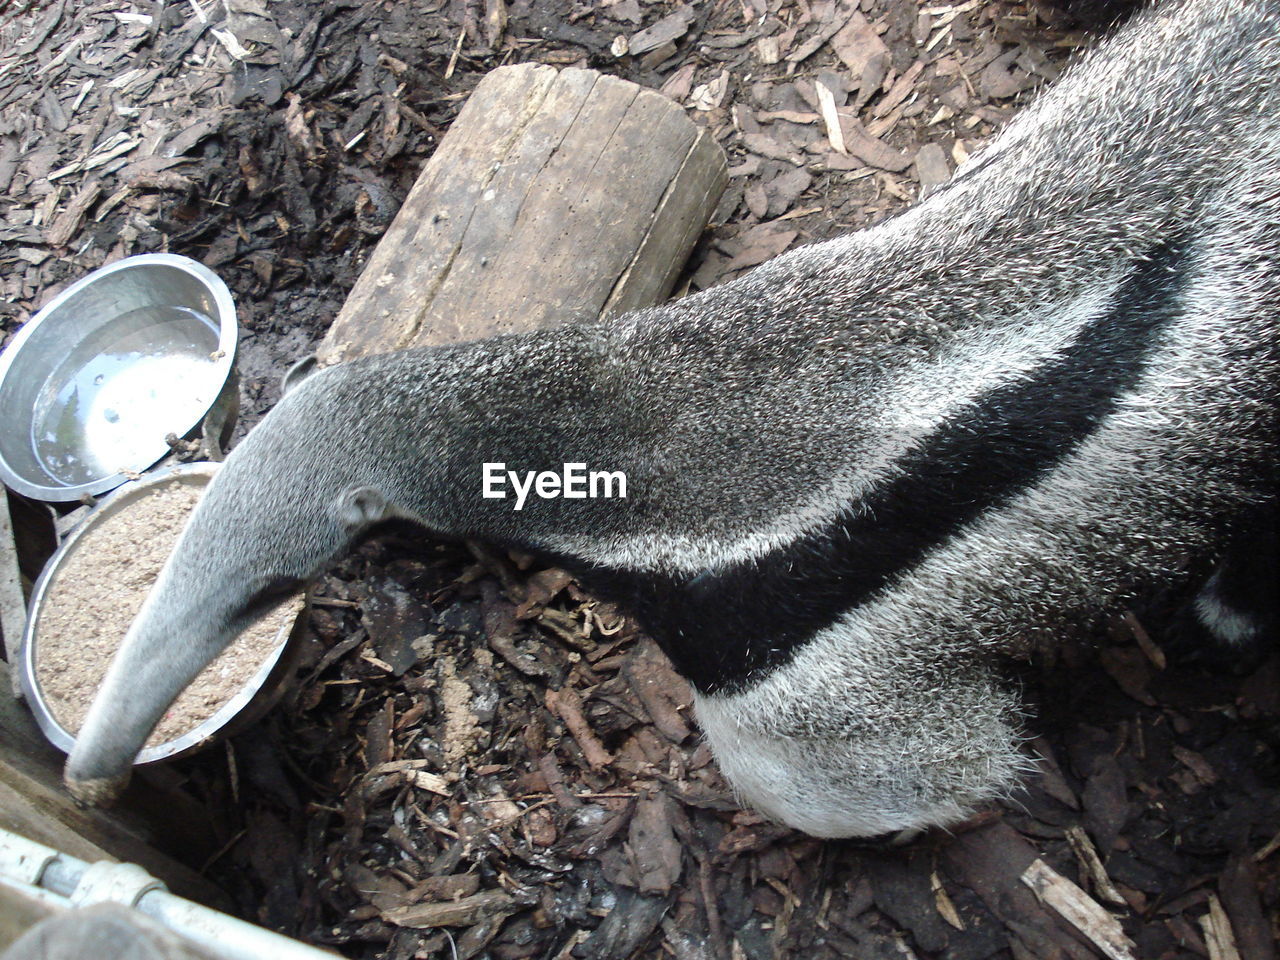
[860, 471]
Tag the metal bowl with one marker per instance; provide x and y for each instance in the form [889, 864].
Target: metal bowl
[93, 383]
[257, 696]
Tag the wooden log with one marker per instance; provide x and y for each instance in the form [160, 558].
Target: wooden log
[556, 196]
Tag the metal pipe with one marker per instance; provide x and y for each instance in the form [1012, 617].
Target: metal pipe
[68, 882]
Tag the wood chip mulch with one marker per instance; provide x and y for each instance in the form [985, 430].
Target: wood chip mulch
[483, 759]
[480, 760]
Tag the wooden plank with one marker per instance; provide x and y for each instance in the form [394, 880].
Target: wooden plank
[34, 804]
[13, 604]
[556, 196]
[30, 818]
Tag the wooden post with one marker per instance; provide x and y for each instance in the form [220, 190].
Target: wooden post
[556, 196]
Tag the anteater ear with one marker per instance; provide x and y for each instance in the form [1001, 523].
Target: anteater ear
[297, 373]
[359, 507]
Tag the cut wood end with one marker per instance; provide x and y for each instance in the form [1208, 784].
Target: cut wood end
[470, 188]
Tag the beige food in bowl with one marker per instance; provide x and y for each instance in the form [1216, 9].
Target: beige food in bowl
[97, 591]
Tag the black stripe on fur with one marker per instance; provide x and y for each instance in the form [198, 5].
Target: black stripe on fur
[726, 627]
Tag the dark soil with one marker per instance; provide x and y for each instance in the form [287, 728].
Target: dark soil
[479, 760]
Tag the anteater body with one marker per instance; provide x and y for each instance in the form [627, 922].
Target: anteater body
[856, 476]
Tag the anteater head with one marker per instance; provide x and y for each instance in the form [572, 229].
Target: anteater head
[273, 516]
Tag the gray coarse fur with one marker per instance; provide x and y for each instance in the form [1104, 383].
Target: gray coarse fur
[752, 414]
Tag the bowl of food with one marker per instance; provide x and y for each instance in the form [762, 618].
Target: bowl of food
[92, 385]
[90, 592]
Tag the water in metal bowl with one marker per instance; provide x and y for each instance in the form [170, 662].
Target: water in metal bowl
[92, 384]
